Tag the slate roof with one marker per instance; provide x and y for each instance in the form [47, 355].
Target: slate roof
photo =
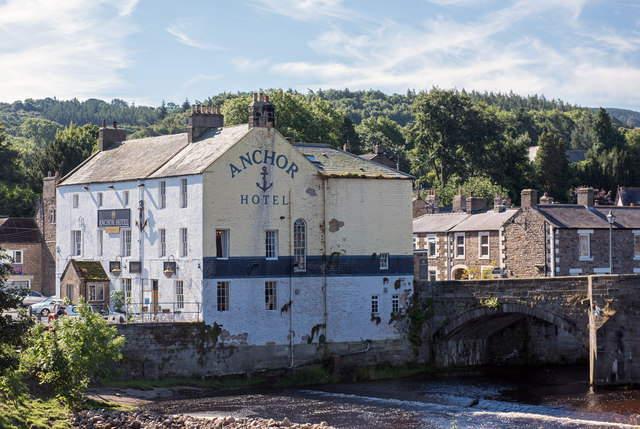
[574, 216]
[438, 222]
[627, 196]
[19, 230]
[172, 155]
[485, 221]
[335, 162]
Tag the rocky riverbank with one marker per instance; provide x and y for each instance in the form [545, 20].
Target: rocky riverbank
[100, 419]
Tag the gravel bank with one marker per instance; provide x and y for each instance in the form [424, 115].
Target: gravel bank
[98, 419]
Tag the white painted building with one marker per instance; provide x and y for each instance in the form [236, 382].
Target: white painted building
[276, 243]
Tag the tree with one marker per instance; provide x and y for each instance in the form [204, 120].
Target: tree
[11, 331]
[552, 166]
[480, 186]
[162, 111]
[70, 147]
[450, 134]
[40, 131]
[76, 351]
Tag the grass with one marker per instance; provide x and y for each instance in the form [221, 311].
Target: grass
[34, 414]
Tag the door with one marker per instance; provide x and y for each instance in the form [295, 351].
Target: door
[154, 296]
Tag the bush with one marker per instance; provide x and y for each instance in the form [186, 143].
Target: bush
[72, 352]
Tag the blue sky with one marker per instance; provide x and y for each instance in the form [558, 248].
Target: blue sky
[585, 52]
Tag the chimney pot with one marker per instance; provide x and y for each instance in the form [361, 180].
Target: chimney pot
[104, 123]
[115, 124]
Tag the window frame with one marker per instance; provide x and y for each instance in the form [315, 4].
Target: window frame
[52, 216]
[183, 193]
[76, 201]
[162, 194]
[432, 275]
[97, 290]
[457, 246]
[384, 260]
[100, 241]
[636, 244]
[162, 242]
[76, 242]
[222, 296]
[99, 199]
[584, 234]
[270, 295]
[179, 291]
[125, 242]
[222, 244]
[271, 244]
[375, 304]
[300, 245]
[125, 198]
[125, 284]
[423, 269]
[395, 303]
[17, 261]
[482, 246]
[184, 242]
[432, 239]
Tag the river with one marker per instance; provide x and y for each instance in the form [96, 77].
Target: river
[495, 397]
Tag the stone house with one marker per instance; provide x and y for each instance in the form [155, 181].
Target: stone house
[546, 239]
[460, 244]
[86, 279]
[20, 238]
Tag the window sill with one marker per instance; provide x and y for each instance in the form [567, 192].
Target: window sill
[585, 258]
[271, 259]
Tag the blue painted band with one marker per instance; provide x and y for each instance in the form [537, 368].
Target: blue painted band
[336, 265]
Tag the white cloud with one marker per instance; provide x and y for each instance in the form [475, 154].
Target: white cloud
[305, 10]
[519, 47]
[200, 78]
[181, 29]
[244, 64]
[67, 49]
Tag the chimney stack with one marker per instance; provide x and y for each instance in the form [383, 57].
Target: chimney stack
[528, 198]
[546, 199]
[433, 201]
[261, 112]
[202, 118]
[585, 197]
[379, 149]
[108, 136]
[347, 146]
[459, 203]
[475, 204]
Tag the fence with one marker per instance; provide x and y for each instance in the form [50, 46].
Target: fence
[163, 312]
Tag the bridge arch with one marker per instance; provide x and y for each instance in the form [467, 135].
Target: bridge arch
[490, 320]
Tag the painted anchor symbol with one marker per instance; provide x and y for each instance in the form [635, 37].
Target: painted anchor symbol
[264, 185]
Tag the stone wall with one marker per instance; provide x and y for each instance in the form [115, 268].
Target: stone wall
[526, 244]
[195, 349]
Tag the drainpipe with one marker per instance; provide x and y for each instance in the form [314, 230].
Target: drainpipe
[325, 182]
[291, 363]
[448, 256]
[552, 250]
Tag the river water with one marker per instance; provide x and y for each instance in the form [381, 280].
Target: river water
[531, 397]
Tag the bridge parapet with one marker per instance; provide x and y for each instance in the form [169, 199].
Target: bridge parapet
[465, 311]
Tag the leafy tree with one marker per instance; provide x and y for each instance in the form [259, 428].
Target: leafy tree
[480, 186]
[236, 110]
[605, 134]
[70, 147]
[349, 134]
[450, 134]
[40, 131]
[11, 331]
[76, 351]
[552, 166]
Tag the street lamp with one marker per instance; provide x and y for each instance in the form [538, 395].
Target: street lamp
[611, 219]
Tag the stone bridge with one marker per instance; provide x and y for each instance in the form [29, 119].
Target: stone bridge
[473, 322]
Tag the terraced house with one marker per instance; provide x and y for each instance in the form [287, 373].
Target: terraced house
[274, 243]
[539, 239]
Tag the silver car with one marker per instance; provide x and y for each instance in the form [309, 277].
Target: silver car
[45, 307]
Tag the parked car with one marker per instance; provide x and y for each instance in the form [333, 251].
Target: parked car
[72, 311]
[33, 297]
[45, 307]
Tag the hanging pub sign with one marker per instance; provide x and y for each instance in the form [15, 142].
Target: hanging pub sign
[115, 217]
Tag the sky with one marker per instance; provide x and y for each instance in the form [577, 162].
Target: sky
[584, 52]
